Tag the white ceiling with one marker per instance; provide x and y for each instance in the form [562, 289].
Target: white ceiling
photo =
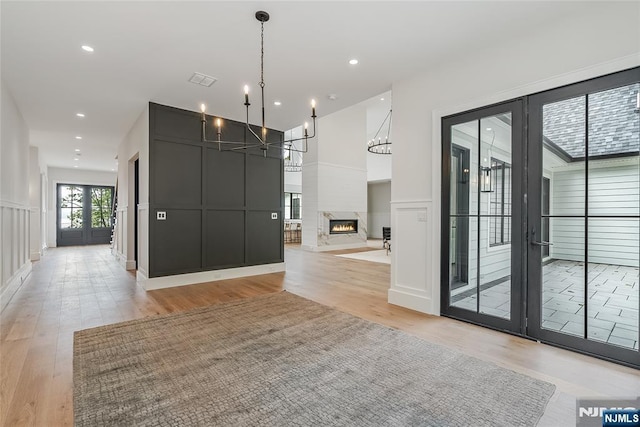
[146, 51]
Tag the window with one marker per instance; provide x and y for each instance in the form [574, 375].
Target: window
[292, 206]
[71, 204]
[101, 207]
[500, 204]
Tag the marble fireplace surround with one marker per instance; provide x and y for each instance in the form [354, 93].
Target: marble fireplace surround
[327, 241]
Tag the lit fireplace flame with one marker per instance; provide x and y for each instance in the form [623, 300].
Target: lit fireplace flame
[343, 227]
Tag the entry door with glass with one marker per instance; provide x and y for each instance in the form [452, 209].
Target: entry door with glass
[84, 215]
[481, 270]
[584, 216]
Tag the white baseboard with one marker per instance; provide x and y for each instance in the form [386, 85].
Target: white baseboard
[14, 283]
[127, 264]
[412, 301]
[326, 248]
[35, 256]
[150, 284]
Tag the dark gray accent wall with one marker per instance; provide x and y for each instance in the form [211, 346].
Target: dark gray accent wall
[218, 204]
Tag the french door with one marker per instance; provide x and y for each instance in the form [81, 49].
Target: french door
[84, 215]
[584, 216]
[541, 231]
[482, 151]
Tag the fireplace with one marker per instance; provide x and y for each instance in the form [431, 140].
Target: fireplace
[343, 226]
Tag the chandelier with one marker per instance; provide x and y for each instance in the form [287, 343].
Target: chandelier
[292, 166]
[377, 145]
[257, 141]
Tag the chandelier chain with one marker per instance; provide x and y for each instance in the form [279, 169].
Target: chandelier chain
[262, 54]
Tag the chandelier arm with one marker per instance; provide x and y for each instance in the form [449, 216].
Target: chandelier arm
[300, 150]
[303, 138]
[389, 129]
[249, 126]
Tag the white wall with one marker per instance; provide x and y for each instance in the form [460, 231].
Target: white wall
[35, 203]
[334, 179]
[134, 146]
[293, 180]
[14, 198]
[614, 187]
[586, 45]
[378, 166]
[70, 176]
[378, 207]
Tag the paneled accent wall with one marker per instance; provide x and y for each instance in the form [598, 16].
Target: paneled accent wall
[218, 204]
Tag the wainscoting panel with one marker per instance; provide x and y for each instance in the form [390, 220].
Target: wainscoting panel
[411, 255]
[15, 264]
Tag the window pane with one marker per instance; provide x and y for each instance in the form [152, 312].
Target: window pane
[614, 295]
[296, 206]
[563, 154]
[563, 278]
[614, 184]
[464, 169]
[100, 207]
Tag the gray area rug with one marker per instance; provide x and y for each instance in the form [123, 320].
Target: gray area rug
[282, 360]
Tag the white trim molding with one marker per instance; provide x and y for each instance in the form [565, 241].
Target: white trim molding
[14, 283]
[153, 283]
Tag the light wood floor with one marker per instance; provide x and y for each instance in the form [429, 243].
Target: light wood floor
[76, 288]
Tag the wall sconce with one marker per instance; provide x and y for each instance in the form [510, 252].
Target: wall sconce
[485, 179]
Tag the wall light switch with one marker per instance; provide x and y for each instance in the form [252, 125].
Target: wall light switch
[161, 215]
[422, 216]
[274, 215]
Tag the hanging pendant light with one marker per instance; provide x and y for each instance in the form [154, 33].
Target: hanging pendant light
[377, 145]
[485, 171]
[259, 141]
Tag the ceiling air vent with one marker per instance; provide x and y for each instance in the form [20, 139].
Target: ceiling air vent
[202, 79]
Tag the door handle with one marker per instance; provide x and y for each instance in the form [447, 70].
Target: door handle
[541, 243]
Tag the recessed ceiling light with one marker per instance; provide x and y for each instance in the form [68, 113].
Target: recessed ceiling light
[87, 48]
[80, 114]
[76, 159]
[489, 129]
[78, 137]
[77, 150]
[75, 166]
[277, 103]
[353, 61]
[381, 99]
[112, 170]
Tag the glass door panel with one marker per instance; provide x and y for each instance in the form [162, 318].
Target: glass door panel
[84, 215]
[584, 216]
[479, 208]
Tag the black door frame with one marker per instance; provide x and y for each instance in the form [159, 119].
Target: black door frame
[534, 190]
[86, 237]
[516, 323]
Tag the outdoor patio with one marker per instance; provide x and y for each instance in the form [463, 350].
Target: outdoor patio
[614, 293]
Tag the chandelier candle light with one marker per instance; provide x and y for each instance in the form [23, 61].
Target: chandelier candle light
[261, 139]
[380, 146]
